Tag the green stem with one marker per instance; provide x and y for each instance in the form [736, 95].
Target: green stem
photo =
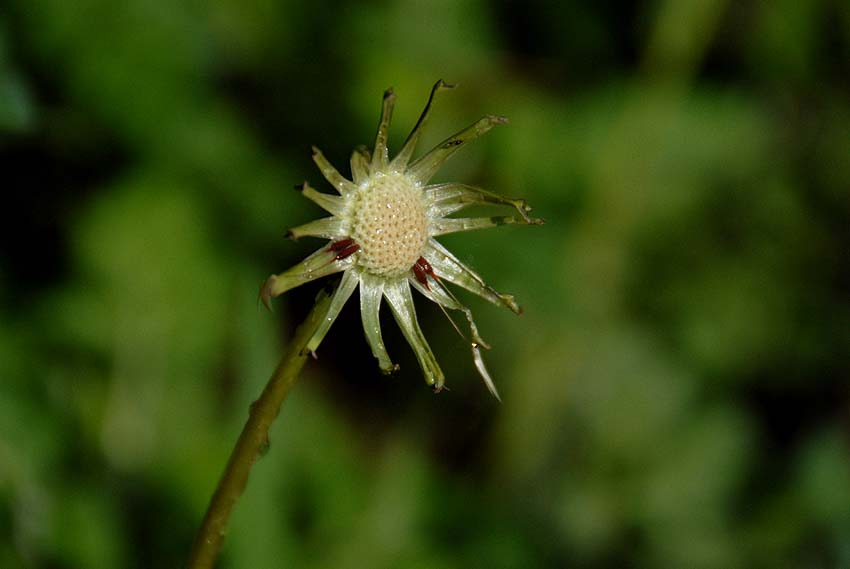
[253, 441]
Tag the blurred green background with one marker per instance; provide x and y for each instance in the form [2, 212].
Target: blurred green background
[675, 395]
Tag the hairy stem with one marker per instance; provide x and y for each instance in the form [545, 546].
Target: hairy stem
[253, 441]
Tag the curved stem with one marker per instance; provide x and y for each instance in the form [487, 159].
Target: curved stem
[253, 441]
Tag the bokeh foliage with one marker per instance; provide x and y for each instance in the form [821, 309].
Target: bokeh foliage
[675, 394]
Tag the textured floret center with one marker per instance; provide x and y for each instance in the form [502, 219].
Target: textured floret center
[389, 222]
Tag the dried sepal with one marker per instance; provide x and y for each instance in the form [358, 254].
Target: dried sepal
[337, 180]
[434, 290]
[425, 167]
[334, 205]
[399, 163]
[360, 159]
[343, 292]
[327, 227]
[371, 295]
[446, 199]
[450, 268]
[398, 296]
[322, 263]
[380, 157]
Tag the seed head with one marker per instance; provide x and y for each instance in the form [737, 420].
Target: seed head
[382, 233]
[389, 222]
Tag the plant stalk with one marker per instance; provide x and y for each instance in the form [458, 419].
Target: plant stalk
[254, 441]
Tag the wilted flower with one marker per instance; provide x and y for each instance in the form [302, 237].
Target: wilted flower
[382, 231]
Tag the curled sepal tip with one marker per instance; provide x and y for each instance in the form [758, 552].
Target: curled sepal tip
[266, 292]
[403, 157]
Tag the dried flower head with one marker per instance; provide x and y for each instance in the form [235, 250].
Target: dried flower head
[382, 231]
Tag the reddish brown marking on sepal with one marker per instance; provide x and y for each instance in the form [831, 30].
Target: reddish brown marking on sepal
[420, 275]
[338, 246]
[422, 269]
[343, 248]
[347, 252]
